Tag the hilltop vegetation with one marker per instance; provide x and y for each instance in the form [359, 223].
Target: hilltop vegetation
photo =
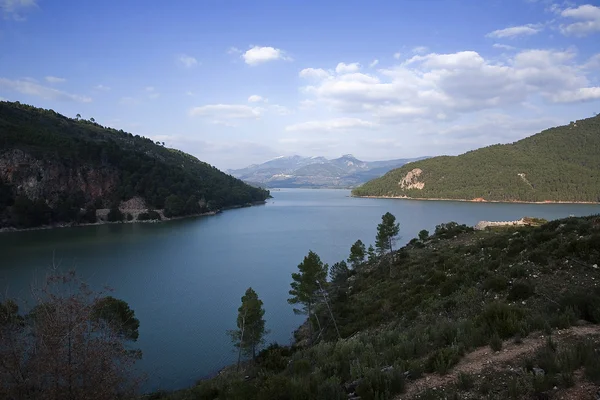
[59, 169]
[558, 164]
[417, 312]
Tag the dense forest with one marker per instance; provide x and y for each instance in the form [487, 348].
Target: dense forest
[504, 313]
[558, 164]
[59, 169]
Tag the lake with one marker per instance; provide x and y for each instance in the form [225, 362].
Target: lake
[185, 278]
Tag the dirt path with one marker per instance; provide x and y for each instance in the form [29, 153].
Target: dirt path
[476, 361]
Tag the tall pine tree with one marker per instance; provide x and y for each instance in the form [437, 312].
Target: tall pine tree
[387, 231]
[250, 331]
[305, 286]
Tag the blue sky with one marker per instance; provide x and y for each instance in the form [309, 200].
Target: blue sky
[240, 82]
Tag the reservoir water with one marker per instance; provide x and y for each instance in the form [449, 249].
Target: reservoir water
[185, 278]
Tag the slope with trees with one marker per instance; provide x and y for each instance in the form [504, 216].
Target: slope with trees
[558, 164]
[451, 296]
[58, 169]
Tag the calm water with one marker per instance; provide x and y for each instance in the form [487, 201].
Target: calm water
[184, 279]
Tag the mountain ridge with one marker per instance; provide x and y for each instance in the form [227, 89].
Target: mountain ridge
[559, 164]
[55, 169]
[299, 171]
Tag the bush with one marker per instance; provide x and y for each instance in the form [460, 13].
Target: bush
[496, 283]
[465, 381]
[520, 290]
[114, 215]
[442, 360]
[149, 215]
[501, 319]
[495, 343]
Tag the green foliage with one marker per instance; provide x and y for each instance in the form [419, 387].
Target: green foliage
[559, 163]
[115, 215]
[496, 342]
[149, 215]
[496, 283]
[339, 272]
[357, 254]
[118, 315]
[250, 332]
[136, 166]
[465, 381]
[387, 231]
[423, 235]
[520, 290]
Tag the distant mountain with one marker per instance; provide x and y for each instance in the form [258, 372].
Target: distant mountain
[298, 171]
[558, 164]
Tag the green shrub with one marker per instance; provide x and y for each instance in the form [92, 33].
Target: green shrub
[115, 215]
[149, 215]
[520, 290]
[496, 283]
[465, 381]
[442, 360]
[496, 343]
[500, 318]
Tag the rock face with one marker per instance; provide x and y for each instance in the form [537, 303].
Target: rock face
[411, 180]
[49, 179]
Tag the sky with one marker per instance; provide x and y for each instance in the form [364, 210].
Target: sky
[237, 82]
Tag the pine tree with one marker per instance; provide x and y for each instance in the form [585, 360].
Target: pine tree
[339, 272]
[305, 285]
[387, 231]
[251, 325]
[357, 254]
[371, 255]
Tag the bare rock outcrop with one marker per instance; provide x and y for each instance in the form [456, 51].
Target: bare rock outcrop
[411, 180]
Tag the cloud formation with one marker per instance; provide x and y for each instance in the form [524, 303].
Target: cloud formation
[256, 99]
[587, 17]
[330, 125]
[442, 86]
[187, 61]
[16, 9]
[226, 114]
[54, 79]
[32, 88]
[515, 31]
[259, 55]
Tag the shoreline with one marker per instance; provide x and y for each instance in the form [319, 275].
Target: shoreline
[477, 200]
[135, 221]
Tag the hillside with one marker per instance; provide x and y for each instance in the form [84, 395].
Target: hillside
[56, 169]
[558, 164]
[459, 314]
[296, 171]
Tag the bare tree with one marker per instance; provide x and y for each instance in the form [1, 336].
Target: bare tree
[72, 345]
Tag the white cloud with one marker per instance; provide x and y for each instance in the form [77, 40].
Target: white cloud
[515, 31]
[315, 73]
[336, 124]
[102, 88]
[54, 79]
[187, 61]
[503, 46]
[15, 8]
[419, 50]
[128, 101]
[256, 99]
[589, 20]
[280, 110]
[152, 93]
[233, 50]
[258, 55]
[578, 95]
[397, 55]
[222, 113]
[445, 86]
[373, 63]
[343, 68]
[34, 89]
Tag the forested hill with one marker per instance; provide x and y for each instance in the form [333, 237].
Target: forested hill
[58, 169]
[558, 164]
